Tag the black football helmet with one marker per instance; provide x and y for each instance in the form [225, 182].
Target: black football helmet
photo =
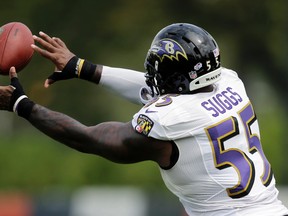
[182, 58]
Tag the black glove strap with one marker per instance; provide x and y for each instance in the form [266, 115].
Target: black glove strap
[19, 102]
[76, 67]
[17, 93]
[71, 68]
[69, 71]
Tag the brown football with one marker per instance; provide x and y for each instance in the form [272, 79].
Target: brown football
[15, 46]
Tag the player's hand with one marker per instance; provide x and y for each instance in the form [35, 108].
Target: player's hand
[5, 97]
[53, 49]
[56, 51]
[13, 98]
[10, 94]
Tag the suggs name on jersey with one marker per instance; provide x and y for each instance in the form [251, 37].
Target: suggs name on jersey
[222, 102]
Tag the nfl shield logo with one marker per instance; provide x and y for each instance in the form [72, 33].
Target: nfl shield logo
[193, 75]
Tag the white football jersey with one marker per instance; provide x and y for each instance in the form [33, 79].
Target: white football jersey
[222, 169]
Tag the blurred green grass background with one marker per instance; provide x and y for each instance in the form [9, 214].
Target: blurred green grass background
[252, 36]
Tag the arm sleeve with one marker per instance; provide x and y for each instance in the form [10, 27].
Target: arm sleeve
[124, 82]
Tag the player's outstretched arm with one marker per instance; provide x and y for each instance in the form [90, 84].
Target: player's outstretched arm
[115, 141]
[124, 82]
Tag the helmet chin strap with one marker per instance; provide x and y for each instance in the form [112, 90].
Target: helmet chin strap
[205, 80]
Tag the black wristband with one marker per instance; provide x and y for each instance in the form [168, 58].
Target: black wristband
[87, 71]
[77, 67]
[24, 108]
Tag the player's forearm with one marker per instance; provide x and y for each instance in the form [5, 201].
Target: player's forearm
[125, 83]
[60, 127]
[99, 139]
[104, 139]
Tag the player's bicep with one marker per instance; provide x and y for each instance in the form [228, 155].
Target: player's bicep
[120, 143]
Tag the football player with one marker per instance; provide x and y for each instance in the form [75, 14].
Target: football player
[197, 122]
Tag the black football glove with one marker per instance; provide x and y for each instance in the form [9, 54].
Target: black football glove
[68, 72]
[75, 68]
[19, 102]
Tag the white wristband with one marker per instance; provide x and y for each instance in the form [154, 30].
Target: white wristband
[17, 102]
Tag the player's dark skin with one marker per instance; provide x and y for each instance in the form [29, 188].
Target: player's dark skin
[115, 141]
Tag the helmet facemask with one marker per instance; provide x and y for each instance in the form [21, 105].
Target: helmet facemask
[159, 85]
[151, 79]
